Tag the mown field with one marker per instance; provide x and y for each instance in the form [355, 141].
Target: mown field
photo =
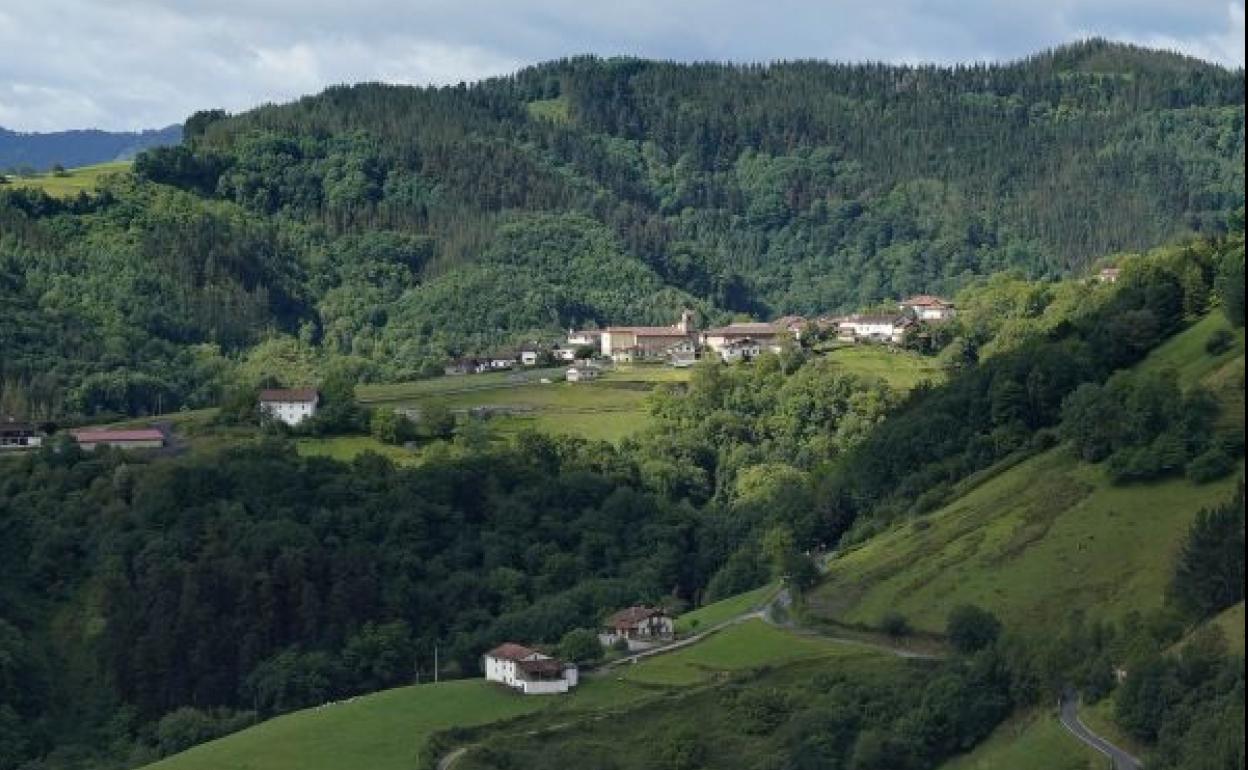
[1037, 541]
[74, 180]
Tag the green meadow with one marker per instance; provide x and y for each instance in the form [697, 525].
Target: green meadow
[901, 369]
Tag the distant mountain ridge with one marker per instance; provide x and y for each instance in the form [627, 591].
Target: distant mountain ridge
[79, 147]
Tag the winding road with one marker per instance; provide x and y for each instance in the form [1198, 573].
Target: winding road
[1070, 720]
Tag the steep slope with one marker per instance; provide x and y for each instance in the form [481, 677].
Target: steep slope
[1041, 539]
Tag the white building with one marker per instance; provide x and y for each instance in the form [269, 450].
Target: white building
[528, 357]
[291, 406]
[582, 374]
[873, 328]
[740, 349]
[925, 307]
[528, 671]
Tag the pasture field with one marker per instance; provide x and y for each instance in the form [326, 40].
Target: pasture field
[608, 409]
[383, 731]
[74, 181]
[901, 369]
[347, 448]
[1038, 540]
[717, 612]
[748, 645]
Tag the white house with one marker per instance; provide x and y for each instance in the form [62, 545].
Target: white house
[640, 626]
[528, 357]
[582, 374]
[291, 406]
[528, 671]
[500, 361]
[762, 334]
[577, 339]
[874, 328]
[1109, 275]
[566, 352]
[925, 307]
[741, 349]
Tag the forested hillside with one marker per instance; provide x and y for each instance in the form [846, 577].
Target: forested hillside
[382, 229]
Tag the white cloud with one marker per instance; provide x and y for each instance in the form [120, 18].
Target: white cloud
[143, 63]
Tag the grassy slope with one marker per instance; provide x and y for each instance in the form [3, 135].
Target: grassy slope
[901, 369]
[76, 180]
[1037, 541]
[725, 609]
[386, 730]
[1030, 742]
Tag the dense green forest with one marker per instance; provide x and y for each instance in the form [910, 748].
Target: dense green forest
[380, 229]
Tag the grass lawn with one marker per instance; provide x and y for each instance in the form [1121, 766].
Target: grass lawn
[901, 369]
[725, 609]
[746, 646]
[76, 180]
[1030, 742]
[1185, 352]
[384, 731]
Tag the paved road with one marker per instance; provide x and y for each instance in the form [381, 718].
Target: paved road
[1070, 720]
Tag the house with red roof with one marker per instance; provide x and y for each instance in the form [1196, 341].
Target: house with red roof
[527, 670]
[641, 626]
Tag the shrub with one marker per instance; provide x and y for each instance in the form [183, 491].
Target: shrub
[580, 646]
[1210, 465]
[895, 624]
[1219, 342]
[971, 628]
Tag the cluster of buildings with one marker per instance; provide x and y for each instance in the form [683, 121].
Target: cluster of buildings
[531, 672]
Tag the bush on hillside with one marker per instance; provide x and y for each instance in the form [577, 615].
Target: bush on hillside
[895, 624]
[971, 629]
[1210, 465]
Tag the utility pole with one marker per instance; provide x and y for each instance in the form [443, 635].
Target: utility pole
[435, 662]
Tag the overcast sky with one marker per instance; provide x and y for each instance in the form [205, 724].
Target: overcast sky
[128, 64]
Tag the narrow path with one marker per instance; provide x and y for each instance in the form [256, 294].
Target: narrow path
[451, 758]
[1070, 720]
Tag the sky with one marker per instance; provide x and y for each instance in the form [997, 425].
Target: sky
[133, 64]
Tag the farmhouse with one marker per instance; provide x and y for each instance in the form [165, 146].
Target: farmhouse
[582, 374]
[462, 366]
[143, 438]
[682, 354]
[500, 361]
[640, 626]
[873, 328]
[1108, 275]
[925, 307]
[793, 324]
[528, 671]
[19, 435]
[291, 406]
[578, 339]
[642, 342]
[529, 357]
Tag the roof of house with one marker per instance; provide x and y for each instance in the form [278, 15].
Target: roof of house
[789, 321]
[511, 651]
[541, 666]
[752, 329]
[99, 436]
[926, 300]
[631, 616]
[10, 424]
[648, 331]
[289, 395]
[874, 319]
